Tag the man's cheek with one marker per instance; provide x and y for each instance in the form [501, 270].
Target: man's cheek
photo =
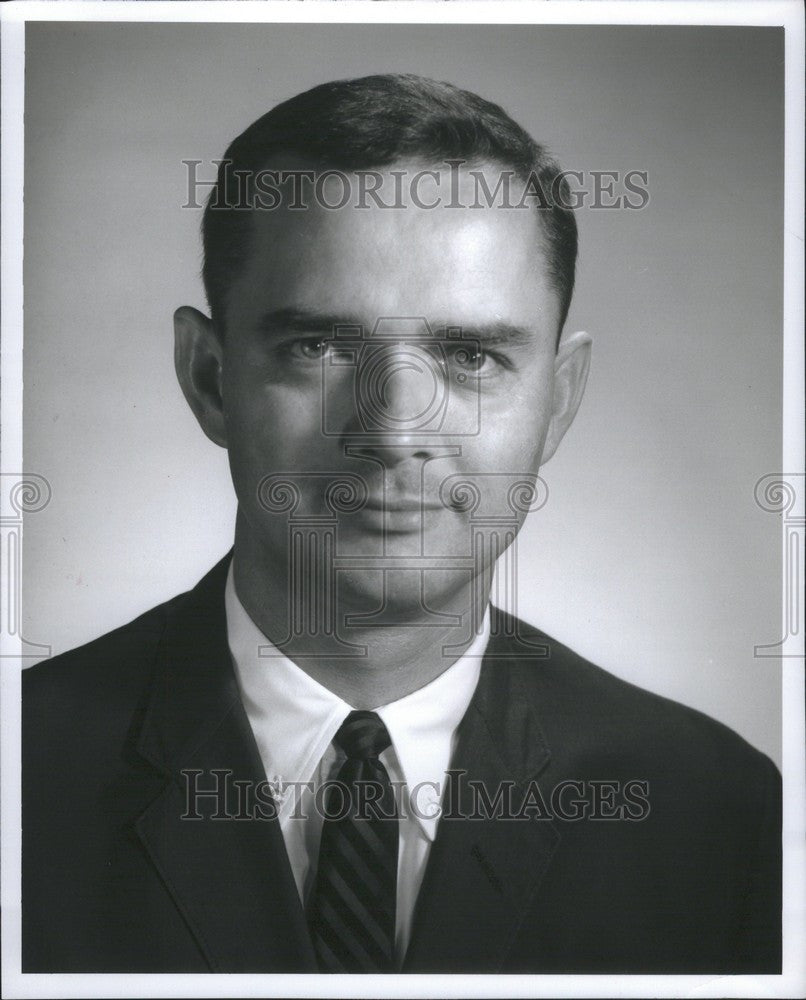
[275, 417]
[510, 445]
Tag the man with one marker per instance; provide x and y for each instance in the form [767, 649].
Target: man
[333, 754]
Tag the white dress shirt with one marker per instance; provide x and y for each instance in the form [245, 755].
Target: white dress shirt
[294, 720]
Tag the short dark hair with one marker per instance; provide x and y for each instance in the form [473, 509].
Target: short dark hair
[372, 122]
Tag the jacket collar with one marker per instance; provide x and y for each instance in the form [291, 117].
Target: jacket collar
[194, 685]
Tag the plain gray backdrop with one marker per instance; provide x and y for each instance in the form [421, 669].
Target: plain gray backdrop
[651, 557]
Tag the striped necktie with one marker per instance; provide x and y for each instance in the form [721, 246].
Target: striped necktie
[351, 912]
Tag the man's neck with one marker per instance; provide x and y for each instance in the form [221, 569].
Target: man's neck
[367, 665]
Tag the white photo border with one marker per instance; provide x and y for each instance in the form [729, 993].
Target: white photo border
[785, 13]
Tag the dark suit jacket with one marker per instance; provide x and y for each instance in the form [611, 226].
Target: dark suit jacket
[115, 880]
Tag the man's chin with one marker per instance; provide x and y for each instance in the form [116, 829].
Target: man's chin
[400, 596]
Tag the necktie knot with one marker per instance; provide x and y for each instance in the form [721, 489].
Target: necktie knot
[362, 736]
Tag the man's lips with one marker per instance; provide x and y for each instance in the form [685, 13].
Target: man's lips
[400, 504]
[398, 516]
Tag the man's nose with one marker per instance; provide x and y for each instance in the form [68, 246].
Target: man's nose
[399, 401]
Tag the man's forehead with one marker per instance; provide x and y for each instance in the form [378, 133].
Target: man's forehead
[462, 238]
[455, 266]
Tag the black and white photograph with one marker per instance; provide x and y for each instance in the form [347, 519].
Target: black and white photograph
[402, 499]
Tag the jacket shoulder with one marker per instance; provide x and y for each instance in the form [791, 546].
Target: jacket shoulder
[111, 666]
[614, 717]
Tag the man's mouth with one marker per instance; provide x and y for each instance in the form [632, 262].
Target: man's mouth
[398, 515]
[397, 504]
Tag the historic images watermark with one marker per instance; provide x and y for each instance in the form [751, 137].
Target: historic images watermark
[21, 494]
[440, 362]
[426, 189]
[783, 493]
[218, 795]
[316, 506]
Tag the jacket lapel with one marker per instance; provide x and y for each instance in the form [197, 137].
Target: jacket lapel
[483, 873]
[229, 877]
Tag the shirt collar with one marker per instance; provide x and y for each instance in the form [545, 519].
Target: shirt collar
[294, 718]
[423, 725]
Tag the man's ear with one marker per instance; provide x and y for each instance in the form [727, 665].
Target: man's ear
[570, 375]
[199, 358]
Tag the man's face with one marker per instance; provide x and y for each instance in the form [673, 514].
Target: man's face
[405, 411]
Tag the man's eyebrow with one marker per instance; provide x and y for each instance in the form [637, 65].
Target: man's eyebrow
[292, 320]
[491, 333]
[303, 321]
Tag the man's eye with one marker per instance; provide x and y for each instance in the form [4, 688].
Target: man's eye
[472, 359]
[313, 348]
